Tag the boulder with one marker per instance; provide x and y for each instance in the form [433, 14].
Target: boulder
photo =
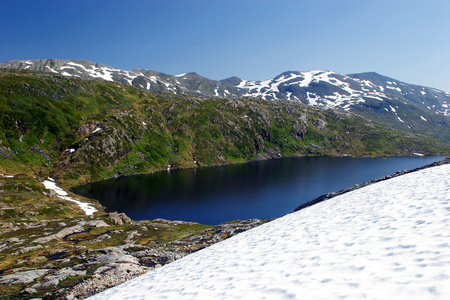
[55, 278]
[97, 223]
[23, 277]
[118, 218]
[110, 255]
[59, 235]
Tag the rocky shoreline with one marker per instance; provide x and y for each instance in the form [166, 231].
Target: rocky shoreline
[50, 249]
[102, 268]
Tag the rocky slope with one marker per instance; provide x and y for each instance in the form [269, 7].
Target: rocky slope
[377, 98]
[50, 249]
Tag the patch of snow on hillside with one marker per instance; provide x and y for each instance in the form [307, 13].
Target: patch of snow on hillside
[103, 73]
[312, 98]
[400, 119]
[423, 118]
[394, 88]
[76, 65]
[374, 97]
[51, 70]
[388, 240]
[51, 185]
[307, 78]
[7, 176]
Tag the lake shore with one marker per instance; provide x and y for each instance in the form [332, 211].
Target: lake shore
[74, 256]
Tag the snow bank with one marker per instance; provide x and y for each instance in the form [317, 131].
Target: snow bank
[386, 240]
[51, 185]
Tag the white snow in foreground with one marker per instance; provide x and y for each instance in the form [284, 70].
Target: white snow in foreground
[86, 207]
[387, 240]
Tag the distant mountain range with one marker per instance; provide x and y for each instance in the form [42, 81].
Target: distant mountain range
[381, 99]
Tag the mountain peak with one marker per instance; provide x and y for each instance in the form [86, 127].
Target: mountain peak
[234, 80]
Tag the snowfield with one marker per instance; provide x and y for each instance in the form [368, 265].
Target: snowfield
[387, 240]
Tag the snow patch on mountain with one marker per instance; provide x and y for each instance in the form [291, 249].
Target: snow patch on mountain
[319, 88]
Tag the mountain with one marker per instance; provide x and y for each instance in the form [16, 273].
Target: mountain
[77, 130]
[380, 99]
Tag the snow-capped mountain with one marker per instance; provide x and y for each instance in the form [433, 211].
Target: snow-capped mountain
[373, 96]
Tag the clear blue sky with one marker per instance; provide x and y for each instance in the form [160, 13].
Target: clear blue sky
[253, 39]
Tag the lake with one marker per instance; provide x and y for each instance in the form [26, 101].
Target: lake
[261, 189]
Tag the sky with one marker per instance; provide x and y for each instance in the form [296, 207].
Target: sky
[408, 40]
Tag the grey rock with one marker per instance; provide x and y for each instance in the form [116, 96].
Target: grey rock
[99, 239]
[107, 276]
[112, 255]
[59, 235]
[115, 218]
[11, 240]
[118, 218]
[6, 152]
[113, 269]
[97, 223]
[7, 225]
[154, 257]
[28, 249]
[23, 277]
[130, 237]
[29, 291]
[55, 278]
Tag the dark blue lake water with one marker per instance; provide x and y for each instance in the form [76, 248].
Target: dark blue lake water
[263, 189]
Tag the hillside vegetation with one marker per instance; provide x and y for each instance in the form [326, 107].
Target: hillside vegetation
[80, 130]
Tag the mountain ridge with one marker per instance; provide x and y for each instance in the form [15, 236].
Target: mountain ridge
[378, 98]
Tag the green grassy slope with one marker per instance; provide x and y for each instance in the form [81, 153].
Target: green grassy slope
[84, 130]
